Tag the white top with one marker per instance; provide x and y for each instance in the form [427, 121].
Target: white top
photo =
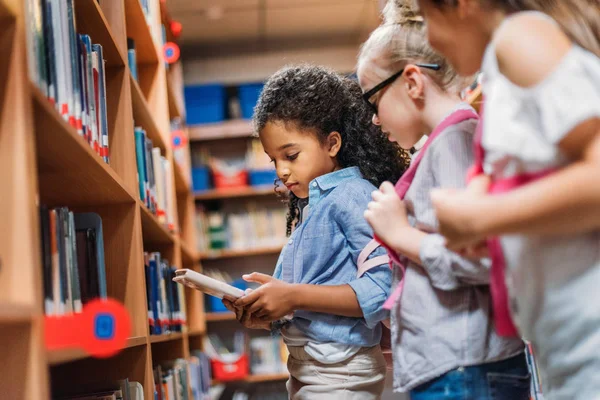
[553, 282]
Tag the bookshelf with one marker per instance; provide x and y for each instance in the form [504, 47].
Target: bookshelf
[237, 193]
[225, 254]
[260, 378]
[43, 160]
[239, 128]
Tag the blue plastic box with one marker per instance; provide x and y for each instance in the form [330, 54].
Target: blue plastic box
[262, 177]
[200, 179]
[248, 95]
[205, 104]
[216, 305]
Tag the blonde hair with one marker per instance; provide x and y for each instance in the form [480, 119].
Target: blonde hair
[579, 19]
[402, 39]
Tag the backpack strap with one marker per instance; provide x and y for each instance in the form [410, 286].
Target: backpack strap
[363, 264]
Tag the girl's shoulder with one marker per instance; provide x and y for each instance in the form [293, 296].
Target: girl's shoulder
[352, 195]
[528, 47]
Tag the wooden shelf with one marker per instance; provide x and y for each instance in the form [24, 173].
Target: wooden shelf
[222, 254]
[188, 254]
[138, 30]
[258, 379]
[165, 338]
[62, 356]
[175, 110]
[143, 116]
[15, 313]
[239, 128]
[220, 194]
[182, 184]
[197, 332]
[152, 230]
[91, 21]
[66, 161]
[219, 316]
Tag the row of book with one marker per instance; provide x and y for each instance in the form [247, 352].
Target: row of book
[166, 299]
[176, 380]
[72, 259]
[253, 228]
[120, 390]
[69, 69]
[268, 355]
[155, 179]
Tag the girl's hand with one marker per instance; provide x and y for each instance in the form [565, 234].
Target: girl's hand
[271, 301]
[387, 214]
[457, 213]
[246, 319]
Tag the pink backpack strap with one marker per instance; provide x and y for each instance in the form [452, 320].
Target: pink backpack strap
[363, 264]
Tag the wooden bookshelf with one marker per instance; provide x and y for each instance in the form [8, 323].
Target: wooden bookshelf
[44, 161]
[222, 316]
[223, 254]
[259, 378]
[239, 128]
[220, 194]
[476, 98]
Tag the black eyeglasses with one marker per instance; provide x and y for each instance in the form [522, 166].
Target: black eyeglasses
[366, 96]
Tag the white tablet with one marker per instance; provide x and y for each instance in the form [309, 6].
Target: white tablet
[207, 285]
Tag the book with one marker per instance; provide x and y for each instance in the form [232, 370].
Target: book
[131, 58]
[140, 153]
[206, 284]
[102, 112]
[72, 260]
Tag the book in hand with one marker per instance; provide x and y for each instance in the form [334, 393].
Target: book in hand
[208, 285]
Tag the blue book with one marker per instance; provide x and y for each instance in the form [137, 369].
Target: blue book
[154, 289]
[140, 154]
[131, 58]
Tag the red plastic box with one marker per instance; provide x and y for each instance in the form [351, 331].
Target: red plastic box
[234, 371]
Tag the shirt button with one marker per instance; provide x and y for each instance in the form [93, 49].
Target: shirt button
[291, 241]
[314, 184]
[461, 369]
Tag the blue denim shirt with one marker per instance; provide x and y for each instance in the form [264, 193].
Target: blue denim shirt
[324, 250]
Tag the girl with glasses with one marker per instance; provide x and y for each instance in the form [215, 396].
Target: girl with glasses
[444, 344]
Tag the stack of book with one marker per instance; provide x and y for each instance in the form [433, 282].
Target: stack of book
[174, 380]
[166, 300]
[72, 258]
[536, 384]
[155, 179]
[253, 228]
[268, 355]
[69, 69]
[121, 390]
[200, 373]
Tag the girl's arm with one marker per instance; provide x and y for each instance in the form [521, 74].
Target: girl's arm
[447, 163]
[566, 202]
[275, 299]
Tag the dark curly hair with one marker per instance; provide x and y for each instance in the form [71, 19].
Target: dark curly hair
[320, 101]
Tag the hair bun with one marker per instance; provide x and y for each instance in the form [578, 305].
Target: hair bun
[401, 12]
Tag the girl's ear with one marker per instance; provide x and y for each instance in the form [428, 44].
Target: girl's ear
[414, 81]
[334, 143]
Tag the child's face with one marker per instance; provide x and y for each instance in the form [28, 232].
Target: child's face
[299, 156]
[458, 32]
[398, 114]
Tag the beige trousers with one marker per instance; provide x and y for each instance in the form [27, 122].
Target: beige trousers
[361, 377]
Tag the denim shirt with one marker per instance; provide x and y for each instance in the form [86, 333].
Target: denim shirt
[324, 250]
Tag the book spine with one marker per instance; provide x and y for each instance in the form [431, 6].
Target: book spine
[140, 151]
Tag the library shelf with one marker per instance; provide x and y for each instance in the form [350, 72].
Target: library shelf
[196, 332]
[16, 313]
[188, 254]
[152, 230]
[242, 192]
[222, 254]
[165, 337]
[219, 316]
[137, 28]
[182, 184]
[62, 356]
[174, 108]
[67, 162]
[258, 379]
[143, 116]
[238, 128]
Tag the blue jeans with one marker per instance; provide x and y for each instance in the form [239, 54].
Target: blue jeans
[502, 380]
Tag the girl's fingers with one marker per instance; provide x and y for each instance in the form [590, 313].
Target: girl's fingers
[377, 195]
[387, 188]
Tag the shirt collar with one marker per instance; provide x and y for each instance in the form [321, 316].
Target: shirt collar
[324, 183]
